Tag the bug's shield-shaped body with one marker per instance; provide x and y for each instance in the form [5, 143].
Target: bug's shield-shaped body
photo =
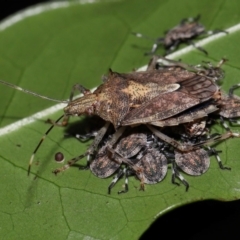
[153, 165]
[181, 33]
[102, 166]
[194, 163]
[230, 106]
[193, 90]
[130, 144]
[144, 97]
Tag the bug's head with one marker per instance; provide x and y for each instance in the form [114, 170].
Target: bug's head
[81, 106]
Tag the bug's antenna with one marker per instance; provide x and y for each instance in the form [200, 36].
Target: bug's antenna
[39, 144]
[32, 93]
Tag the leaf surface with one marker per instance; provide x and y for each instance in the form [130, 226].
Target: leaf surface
[73, 43]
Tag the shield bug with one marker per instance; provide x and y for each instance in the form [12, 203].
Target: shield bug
[184, 32]
[194, 163]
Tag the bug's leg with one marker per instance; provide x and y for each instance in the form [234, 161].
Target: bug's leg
[115, 179]
[114, 139]
[175, 173]
[152, 63]
[89, 152]
[137, 170]
[186, 147]
[231, 120]
[197, 47]
[128, 173]
[173, 47]
[89, 160]
[153, 50]
[69, 164]
[86, 137]
[217, 138]
[175, 63]
[231, 90]
[126, 182]
[224, 124]
[40, 143]
[213, 151]
[171, 141]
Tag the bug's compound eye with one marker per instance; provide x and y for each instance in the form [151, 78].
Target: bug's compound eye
[59, 157]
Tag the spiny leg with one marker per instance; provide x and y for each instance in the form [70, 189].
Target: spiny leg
[173, 47]
[127, 174]
[174, 63]
[231, 90]
[197, 47]
[152, 63]
[89, 152]
[137, 170]
[186, 147]
[217, 138]
[224, 124]
[69, 164]
[175, 173]
[213, 151]
[231, 120]
[39, 144]
[119, 175]
[169, 140]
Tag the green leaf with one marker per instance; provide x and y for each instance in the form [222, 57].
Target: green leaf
[67, 43]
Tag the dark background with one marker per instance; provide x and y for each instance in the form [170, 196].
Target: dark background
[207, 219]
[8, 7]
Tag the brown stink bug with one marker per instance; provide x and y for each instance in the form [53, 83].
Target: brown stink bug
[184, 32]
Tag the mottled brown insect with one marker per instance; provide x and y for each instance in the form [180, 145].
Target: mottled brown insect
[185, 32]
[194, 163]
[230, 104]
[144, 97]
